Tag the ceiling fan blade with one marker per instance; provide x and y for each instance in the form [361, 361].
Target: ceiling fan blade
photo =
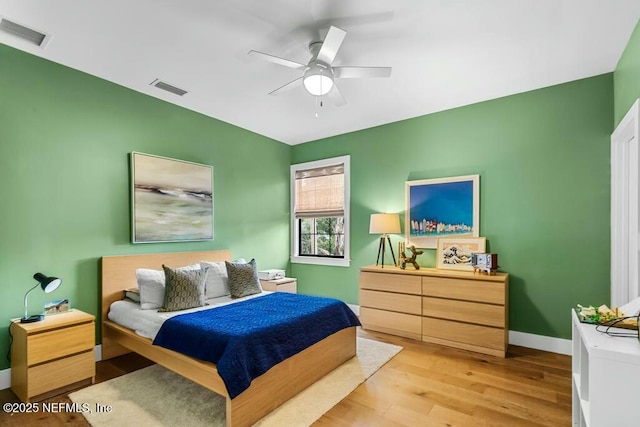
[331, 45]
[288, 86]
[360, 72]
[335, 96]
[277, 60]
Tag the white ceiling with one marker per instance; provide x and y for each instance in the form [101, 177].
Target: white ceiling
[444, 53]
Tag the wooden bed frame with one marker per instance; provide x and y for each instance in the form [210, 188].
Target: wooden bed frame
[266, 392]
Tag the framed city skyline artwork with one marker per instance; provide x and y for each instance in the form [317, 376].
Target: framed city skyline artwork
[441, 207]
[171, 200]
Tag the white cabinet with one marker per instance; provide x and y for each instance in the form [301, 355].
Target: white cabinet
[606, 377]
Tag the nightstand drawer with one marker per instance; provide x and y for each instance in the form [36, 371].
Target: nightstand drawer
[58, 343]
[287, 284]
[61, 372]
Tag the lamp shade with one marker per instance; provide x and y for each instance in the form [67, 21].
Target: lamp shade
[48, 284]
[384, 223]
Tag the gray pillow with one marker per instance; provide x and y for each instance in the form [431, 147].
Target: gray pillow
[183, 289]
[243, 279]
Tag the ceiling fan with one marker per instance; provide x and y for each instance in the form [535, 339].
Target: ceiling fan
[319, 76]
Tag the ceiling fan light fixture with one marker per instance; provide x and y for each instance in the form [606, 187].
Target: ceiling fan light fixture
[318, 80]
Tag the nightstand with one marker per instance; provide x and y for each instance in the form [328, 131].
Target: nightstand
[286, 284]
[52, 356]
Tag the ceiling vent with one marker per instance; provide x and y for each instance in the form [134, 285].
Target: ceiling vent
[168, 87]
[32, 36]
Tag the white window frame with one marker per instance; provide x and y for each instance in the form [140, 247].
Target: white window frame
[338, 262]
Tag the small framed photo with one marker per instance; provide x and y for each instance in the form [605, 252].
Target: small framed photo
[454, 253]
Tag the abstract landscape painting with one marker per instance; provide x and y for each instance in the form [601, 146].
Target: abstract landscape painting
[172, 200]
[442, 207]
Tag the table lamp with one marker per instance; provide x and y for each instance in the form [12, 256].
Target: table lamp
[384, 224]
[48, 284]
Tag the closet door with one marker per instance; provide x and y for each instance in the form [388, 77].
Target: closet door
[625, 219]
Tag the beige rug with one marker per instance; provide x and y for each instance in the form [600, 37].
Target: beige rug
[155, 396]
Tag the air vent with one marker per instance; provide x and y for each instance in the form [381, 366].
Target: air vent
[168, 87]
[32, 36]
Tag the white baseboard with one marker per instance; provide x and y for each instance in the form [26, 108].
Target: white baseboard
[5, 378]
[5, 374]
[355, 309]
[540, 342]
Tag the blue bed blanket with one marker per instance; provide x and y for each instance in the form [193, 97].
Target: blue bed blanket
[247, 338]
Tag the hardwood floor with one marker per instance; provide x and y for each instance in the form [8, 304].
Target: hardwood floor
[425, 384]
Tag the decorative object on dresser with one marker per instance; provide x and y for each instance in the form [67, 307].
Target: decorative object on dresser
[48, 284]
[454, 253]
[441, 207]
[171, 200]
[384, 224]
[286, 284]
[453, 308]
[402, 257]
[483, 262]
[52, 356]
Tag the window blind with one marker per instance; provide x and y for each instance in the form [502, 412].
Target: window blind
[320, 192]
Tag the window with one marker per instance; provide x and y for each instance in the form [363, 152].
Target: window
[320, 212]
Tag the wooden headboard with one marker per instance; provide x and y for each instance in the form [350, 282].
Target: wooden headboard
[119, 273]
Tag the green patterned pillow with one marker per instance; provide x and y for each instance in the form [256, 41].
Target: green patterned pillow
[243, 279]
[183, 289]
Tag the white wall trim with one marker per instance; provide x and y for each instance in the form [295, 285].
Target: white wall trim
[5, 374]
[5, 378]
[540, 342]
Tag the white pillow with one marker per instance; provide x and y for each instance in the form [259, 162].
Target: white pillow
[151, 285]
[217, 279]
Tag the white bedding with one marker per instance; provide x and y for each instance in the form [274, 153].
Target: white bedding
[147, 323]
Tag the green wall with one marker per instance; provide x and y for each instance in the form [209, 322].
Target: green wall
[626, 77]
[65, 138]
[543, 160]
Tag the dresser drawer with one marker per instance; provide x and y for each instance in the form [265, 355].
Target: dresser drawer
[481, 336]
[466, 290]
[391, 282]
[464, 311]
[61, 372]
[402, 303]
[58, 343]
[405, 325]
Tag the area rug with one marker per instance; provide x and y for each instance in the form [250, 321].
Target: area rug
[157, 397]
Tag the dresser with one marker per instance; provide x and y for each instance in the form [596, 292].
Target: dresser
[454, 308]
[53, 355]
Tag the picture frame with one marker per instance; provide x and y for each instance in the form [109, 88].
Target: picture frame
[454, 253]
[171, 200]
[441, 207]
